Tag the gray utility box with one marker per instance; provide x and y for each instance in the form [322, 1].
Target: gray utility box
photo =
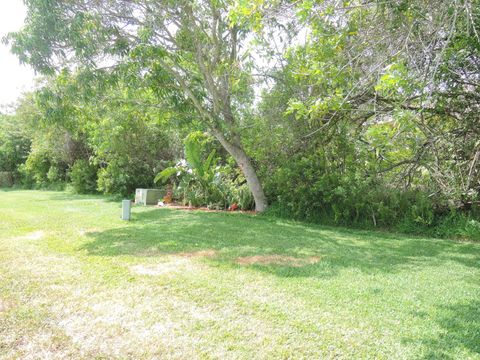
[147, 196]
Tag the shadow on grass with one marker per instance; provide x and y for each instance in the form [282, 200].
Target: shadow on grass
[66, 196]
[460, 325]
[8, 189]
[162, 231]
[63, 195]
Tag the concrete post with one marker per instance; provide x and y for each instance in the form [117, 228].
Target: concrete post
[126, 209]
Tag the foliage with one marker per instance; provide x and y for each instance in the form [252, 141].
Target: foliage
[37, 166]
[129, 146]
[200, 181]
[126, 144]
[197, 65]
[112, 179]
[14, 146]
[83, 177]
[351, 113]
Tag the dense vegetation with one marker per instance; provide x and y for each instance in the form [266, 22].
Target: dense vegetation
[361, 113]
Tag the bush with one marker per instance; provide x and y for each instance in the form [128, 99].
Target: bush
[53, 175]
[83, 177]
[42, 171]
[306, 189]
[37, 167]
[6, 179]
[26, 177]
[458, 225]
[112, 180]
[14, 148]
[199, 179]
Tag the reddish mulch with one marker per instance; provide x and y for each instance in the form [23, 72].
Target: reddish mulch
[191, 208]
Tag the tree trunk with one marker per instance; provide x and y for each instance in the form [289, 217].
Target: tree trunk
[247, 168]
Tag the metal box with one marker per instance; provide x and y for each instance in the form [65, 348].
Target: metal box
[147, 196]
[126, 209]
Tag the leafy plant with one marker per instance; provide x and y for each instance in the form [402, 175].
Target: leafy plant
[83, 177]
[200, 181]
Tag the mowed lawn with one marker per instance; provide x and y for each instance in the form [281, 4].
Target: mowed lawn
[78, 283]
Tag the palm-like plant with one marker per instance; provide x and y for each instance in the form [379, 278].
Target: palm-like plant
[194, 173]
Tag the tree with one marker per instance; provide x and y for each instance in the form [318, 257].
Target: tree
[184, 49]
[123, 134]
[397, 78]
[14, 144]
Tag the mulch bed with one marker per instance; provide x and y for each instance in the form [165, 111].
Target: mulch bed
[192, 208]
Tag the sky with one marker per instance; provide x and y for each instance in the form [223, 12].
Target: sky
[14, 78]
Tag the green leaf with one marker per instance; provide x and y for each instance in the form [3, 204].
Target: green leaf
[166, 174]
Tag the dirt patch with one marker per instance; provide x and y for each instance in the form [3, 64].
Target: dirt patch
[197, 254]
[280, 260]
[4, 306]
[36, 235]
[179, 262]
[154, 252]
[160, 269]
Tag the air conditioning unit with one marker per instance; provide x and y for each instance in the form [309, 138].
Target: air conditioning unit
[147, 196]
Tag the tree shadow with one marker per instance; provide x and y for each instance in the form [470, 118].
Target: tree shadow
[71, 197]
[8, 189]
[154, 232]
[460, 335]
[62, 195]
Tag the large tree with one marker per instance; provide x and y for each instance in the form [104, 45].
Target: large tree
[189, 51]
[368, 68]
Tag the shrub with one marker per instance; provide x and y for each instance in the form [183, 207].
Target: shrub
[307, 189]
[112, 180]
[37, 167]
[199, 180]
[53, 174]
[457, 225]
[6, 179]
[14, 148]
[83, 177]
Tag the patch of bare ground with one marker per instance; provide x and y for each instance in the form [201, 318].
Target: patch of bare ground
[161, 268]
[281, 260]
[154, 252]
[36, 235]
[126, 328]
[4, 306]
[197, 254]
[177, 262]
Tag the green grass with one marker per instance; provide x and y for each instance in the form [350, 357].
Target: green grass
[77, 282]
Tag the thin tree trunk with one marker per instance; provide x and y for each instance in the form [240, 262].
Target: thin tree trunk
[245, 164]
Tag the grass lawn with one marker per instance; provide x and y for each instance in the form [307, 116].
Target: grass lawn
[77, 282]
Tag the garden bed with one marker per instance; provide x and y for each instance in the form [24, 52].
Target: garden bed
[176, 206]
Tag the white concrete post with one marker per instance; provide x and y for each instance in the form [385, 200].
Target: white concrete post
[126, 209]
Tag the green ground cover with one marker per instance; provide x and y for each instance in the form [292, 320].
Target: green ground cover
[77, 282]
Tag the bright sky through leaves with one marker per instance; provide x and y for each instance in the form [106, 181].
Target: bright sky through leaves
[14, 78]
